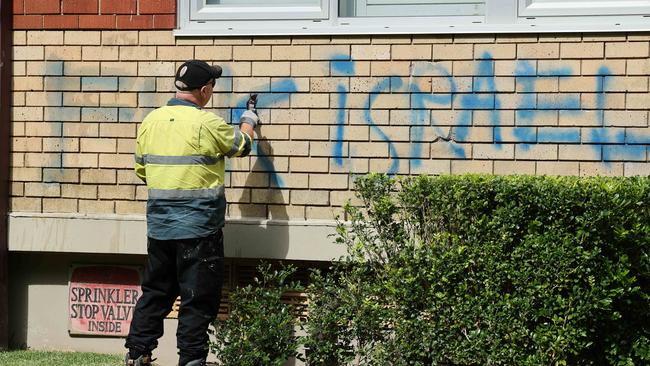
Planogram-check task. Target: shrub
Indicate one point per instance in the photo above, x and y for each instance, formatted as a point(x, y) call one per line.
point(259, 330)
point(328, 343)
point(488, 270)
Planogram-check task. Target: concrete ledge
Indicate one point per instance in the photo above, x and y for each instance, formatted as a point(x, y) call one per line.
point(117, 234)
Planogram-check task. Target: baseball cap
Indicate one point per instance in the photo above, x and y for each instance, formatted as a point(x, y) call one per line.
point(194, 74)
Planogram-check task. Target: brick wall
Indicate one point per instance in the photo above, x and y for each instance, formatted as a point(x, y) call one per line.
point(331, 106)
point(94, 14)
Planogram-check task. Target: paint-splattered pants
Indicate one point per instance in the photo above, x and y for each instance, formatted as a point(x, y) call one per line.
point(192, 268)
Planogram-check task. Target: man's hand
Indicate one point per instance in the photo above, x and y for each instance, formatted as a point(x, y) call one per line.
point(247, 123)
point(249, 117)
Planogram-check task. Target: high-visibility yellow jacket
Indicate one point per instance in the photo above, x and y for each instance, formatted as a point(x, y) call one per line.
point(180, 153)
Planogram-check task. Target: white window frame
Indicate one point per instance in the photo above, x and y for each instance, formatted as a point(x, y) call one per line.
point(200, 12)
point(543, 8)
point(501, 16)
point(362, 6)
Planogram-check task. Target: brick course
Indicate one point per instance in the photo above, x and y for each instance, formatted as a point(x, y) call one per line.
point(95, 14)
point(332, 107)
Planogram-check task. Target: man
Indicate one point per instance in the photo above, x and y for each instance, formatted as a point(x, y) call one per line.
point(180, 153)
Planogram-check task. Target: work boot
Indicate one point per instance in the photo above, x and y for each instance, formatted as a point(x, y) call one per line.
point(144, 360)
point(197, 362)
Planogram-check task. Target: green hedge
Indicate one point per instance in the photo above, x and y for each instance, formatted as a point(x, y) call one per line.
point(488, 270)
point(259, 330)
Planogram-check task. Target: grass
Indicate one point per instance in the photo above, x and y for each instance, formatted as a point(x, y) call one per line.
point(40, 358)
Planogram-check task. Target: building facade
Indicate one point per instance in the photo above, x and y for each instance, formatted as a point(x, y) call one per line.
point(345, 88)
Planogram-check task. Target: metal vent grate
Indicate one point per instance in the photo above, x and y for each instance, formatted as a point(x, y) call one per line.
point(242, 272)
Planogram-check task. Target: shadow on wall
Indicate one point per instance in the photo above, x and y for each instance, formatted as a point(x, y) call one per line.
point(18, 299)
point(272, 238)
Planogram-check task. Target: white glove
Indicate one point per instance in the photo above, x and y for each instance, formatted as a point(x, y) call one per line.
point(250, 118)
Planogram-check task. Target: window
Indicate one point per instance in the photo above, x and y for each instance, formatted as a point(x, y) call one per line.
point(258, 9)
point(291, 17)
point(582, 7)
point(384, 8)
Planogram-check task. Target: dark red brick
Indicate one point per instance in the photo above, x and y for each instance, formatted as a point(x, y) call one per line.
point(19, 7)
point(119, 7)
point(97, 21)
point(157, 7)
point(164, 21)
point(134, 22)
point(80, 7)
point(60, 22)
point(42, 7)
point(28, 22)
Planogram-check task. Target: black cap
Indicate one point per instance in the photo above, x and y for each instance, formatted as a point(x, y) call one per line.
point(194, 74)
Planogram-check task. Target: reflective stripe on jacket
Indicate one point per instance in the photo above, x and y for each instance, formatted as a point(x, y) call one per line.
point(180, 153)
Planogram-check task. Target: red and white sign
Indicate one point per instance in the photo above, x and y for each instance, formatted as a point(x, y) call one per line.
point(101, 299)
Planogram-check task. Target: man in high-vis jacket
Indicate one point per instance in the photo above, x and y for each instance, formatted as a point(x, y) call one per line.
point(180, 155)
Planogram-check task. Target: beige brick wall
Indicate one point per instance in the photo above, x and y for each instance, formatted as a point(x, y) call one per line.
point(332, 108)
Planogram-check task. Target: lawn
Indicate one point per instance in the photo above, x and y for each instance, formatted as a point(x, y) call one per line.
point(39, 358)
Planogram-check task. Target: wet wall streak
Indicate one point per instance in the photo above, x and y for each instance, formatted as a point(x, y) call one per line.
point(55, 115)
point(421, 101)
point(483, 97)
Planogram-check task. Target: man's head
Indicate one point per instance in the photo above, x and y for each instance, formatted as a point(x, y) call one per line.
point(197, 78)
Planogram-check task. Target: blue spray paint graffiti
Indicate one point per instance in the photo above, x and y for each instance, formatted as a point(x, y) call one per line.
point(341, 68)
point(485, 97)
point(337, 151)
point(482, 97)
point(420, 102)
point(266, 100)
point(381, 87)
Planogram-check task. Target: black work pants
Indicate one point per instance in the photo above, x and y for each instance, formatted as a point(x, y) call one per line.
point(192, 268)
